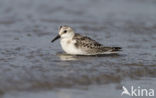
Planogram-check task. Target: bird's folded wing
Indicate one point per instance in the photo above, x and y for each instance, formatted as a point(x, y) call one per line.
point(89, 44)
point(85, 42)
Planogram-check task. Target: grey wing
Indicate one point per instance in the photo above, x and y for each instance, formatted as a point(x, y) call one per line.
point(85, 42)
point(90, 45)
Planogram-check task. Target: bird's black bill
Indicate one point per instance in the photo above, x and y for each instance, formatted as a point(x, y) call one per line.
point(57, 37)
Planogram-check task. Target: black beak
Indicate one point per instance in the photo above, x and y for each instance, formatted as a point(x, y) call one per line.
point(57, 37)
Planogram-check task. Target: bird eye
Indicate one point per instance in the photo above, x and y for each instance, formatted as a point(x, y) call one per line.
point(65, 31)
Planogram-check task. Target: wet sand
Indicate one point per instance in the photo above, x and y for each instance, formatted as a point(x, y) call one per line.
point(30, 64)
point(93, 91)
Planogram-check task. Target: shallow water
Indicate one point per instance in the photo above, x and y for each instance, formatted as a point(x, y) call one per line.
point(94, 91)
point(29, 63)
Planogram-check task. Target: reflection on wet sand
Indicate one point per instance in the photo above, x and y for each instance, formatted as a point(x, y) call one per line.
point(68, 57)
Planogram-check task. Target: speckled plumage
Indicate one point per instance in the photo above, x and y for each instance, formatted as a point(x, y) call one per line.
point(74, 43)
point(90, 46)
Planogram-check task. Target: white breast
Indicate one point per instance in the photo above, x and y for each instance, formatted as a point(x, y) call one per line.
point(69, 47)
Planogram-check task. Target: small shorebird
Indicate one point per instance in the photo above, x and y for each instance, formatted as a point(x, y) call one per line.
point(73, 43)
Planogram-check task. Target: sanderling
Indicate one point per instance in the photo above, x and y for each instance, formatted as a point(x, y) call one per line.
point(76, 44)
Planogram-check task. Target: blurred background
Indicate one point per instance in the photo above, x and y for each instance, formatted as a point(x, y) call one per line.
point(32, 67)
